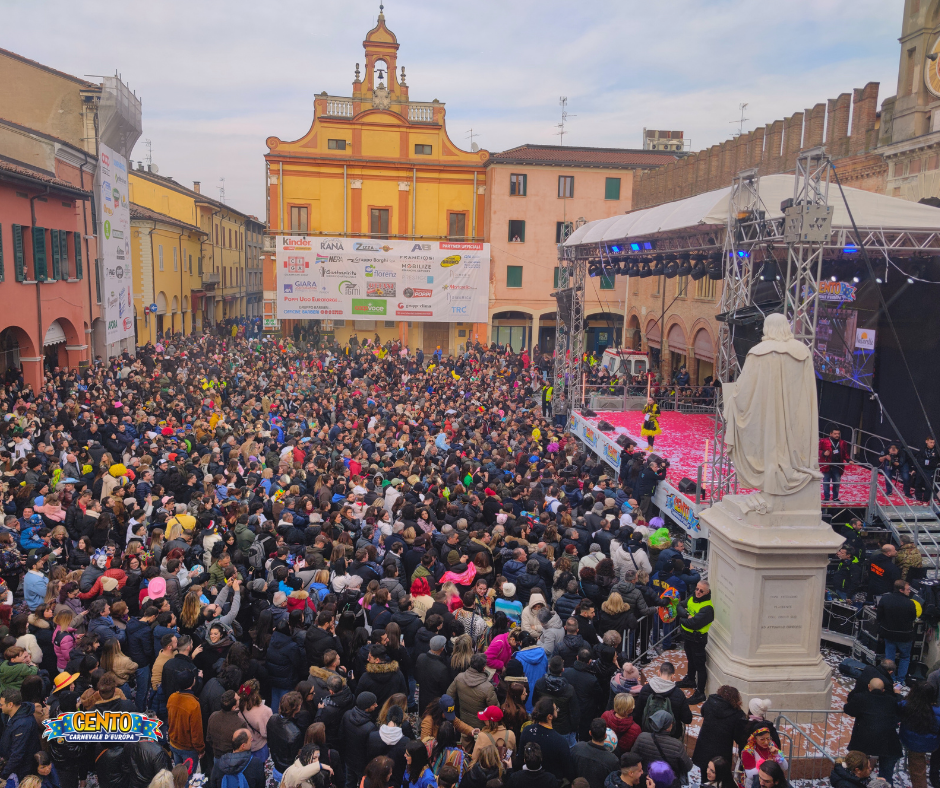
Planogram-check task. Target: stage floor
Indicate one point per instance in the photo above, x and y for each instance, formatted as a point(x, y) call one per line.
point(683, 444)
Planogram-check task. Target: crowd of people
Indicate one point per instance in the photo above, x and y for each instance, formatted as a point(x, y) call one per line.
point(353, 567)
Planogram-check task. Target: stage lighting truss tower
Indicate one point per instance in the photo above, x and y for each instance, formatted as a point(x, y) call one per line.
point(569, 331)
point(744, 230)
point(806, 230)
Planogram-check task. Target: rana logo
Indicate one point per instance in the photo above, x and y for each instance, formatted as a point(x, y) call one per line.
point(369, 306)
point(332, 245)
point(450, 262)
point(107, 229)
point(348, 288)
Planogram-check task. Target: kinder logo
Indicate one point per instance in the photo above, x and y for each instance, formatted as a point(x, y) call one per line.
point(369, 306)
point(296, 265)
point(417, 292)
point(332, 245)
point(452, 246)
point(297, 244)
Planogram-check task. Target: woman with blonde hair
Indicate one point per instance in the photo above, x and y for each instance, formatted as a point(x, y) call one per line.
point(615, 615)
point(463, 651)
point(620, 720)
point(64, 636)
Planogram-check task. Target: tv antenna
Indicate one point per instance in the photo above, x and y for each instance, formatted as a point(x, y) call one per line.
point(149, 145)
point(740, 121)
point(221, 189)
point(563, 102)
point(471, 134)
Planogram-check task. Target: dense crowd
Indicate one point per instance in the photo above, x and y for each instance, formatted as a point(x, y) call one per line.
point(358, 566)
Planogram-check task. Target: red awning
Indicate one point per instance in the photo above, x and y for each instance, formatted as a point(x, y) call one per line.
point(704, 349)
point(677, 342)
point(652, 333)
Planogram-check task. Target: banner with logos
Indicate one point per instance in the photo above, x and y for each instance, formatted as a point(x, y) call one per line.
point(365, 279)
point(114, 245)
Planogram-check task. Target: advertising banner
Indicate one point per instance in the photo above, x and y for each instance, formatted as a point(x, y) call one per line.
point(365, 279)
point(114, 245)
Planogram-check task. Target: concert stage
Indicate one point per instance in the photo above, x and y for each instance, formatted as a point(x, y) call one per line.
point(683, 444)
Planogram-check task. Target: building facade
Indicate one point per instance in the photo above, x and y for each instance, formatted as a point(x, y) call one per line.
point(535, 196)
point(380, 165)
point(254, 244)
point(217, 288)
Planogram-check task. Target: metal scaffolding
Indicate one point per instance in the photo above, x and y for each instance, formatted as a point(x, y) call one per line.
point(569, 331)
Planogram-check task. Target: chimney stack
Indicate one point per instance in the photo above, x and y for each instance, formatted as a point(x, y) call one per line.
point(197, 187)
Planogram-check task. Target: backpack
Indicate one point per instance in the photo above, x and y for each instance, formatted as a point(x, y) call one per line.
point(657, 702)
point(505, 754)
point(236, 780)
point(256, 555)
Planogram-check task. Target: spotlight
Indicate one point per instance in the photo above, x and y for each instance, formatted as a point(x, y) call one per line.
point(910, 281)
point(878, 280)
point(699, 271)
point(657, 269)
point(645, 270)
point(833, 279)
point(855, 279)
point(684, 268)
point(670, 269)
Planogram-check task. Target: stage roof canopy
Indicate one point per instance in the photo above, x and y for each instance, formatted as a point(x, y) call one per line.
point(711, 209)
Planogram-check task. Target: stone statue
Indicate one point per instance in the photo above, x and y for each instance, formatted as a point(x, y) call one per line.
point(771, 422)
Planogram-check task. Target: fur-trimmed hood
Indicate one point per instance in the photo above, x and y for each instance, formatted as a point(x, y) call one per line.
point(378, 668)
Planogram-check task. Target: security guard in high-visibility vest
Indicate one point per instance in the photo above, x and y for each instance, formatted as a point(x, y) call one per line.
point(695, 618)
point(547, 401)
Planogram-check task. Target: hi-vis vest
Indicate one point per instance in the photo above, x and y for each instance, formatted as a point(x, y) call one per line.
point(693, 608)
point(547, 393)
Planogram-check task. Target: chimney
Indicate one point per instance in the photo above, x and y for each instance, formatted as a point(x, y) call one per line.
point(197, 187)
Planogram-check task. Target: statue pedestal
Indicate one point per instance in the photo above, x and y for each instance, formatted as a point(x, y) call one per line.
point(768, 586)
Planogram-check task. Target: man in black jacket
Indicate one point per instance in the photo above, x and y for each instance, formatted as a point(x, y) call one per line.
point(321, 638)
point(883, 572)
point(664, 685)
point(896, 615)
point(844, 573)
point(356, 727)
point(180, 671)
point(433, 668)
point(334, 709)
point(592, 760)
point(646, 483)
point(586, 688)
point(382, 676)
point(568, 706)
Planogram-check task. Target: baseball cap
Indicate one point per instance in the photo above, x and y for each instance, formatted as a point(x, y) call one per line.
point(447, 707)
point(491, 714)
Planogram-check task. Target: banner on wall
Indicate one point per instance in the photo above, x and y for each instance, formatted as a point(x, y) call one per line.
point(114, 245)
point(366, 279)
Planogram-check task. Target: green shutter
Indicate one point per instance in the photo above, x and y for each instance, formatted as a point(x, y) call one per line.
point(64, 253)
point(40, 271)
point(78, 255)
point(54, 237)
point(612, 189)
point(1, 254)
point(555, 279)
point(19, 262)
point(513, 276)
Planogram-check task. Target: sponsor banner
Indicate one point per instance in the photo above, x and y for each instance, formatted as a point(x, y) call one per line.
point(864, 339)
point(360, 278)
point(102, 727)
point(114, 245)
point(680, 509)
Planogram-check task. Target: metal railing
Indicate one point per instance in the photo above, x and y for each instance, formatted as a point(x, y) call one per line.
point(421, 113)
point(811, 741)
point(339, 107)
point(921, 523)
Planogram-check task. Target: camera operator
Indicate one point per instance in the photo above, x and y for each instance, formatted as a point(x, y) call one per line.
point(650, 476)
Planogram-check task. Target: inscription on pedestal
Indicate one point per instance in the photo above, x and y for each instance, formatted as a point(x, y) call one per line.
point(782, 615)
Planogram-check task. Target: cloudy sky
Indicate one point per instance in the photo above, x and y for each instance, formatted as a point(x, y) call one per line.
point(217, 78)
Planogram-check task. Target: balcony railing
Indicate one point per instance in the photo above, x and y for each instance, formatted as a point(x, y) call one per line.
point(339, 107)
point(421, 113)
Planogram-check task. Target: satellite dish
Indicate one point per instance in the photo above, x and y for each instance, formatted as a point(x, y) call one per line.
point(474, 147)
point(154, 169)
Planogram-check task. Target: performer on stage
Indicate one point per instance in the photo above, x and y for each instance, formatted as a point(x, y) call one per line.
point(650, 422)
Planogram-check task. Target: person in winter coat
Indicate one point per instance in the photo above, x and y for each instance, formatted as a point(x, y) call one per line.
point(530, 614)
point(629, 555)
point(321, 638)
point(875, 730)
point(663, 686)
point(724, 724)
point(571, 643)
point(920, 729)
point(334, 708)
point(592, 760)
point(473, 690)
point(553, 685)
point(433, 668)
point(501, 649)
point(143, 760)
point(239, 761)
point(852, 771)
point(357, 724)
point(64, 638)
point(620, 720)
point(896, 615)
point(587, 689)
point(284, 736)
point(658, 744)
point(382, 676)
point(20, 739)
point(553, 631)
point(286, 664)
point(565, 604)
point(390, 741)
point(615, 615)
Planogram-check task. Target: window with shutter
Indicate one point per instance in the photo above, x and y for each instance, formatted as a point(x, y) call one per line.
point(64, 253)
point(78, 255)
point(54, 237)
point(40, 271)
point(2, 277)
point(19, 260)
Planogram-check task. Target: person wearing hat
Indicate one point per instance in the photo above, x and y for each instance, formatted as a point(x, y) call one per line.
point(493, 733)
point(357, 724)
point(657, 744)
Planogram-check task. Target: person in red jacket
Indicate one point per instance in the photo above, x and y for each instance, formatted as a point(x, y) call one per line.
point(833, 457)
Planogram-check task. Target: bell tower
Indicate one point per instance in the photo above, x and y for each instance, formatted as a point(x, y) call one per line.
point(380, 83)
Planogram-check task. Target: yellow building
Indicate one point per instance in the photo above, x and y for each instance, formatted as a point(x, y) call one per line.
point(377, 164)
point(165, 256)
point(217, 286)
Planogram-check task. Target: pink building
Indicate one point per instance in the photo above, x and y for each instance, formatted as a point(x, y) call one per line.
point(536, 195)
point(47, 253)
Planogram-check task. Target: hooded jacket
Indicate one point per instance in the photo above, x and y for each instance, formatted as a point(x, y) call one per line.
point(384, 679)
point(553, 633)
point(19, 741)
point(562, 693)
point(473, 692)
point(534, 663)
point(723, 725)
point(530, 617)
point(626, 728)
point(357, 725)
point(285, 662)
point(235, 763)
point(680, 704)
point(332, 713)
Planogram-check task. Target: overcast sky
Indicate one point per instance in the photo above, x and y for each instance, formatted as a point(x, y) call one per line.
point(217, 78)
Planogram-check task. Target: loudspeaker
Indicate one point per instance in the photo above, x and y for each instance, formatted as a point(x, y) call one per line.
point(687, 486)
point(623, 441)
point(588, 413)
point(605, 426)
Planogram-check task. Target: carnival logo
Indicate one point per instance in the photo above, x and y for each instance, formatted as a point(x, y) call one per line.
point(834, 291)
point(682, 511)
point(590, 436)
point(102, 727)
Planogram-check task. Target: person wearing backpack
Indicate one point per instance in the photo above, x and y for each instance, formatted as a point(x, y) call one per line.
point(237, 769)
point(494, 734)
point(662, 694)
point(659, 744)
